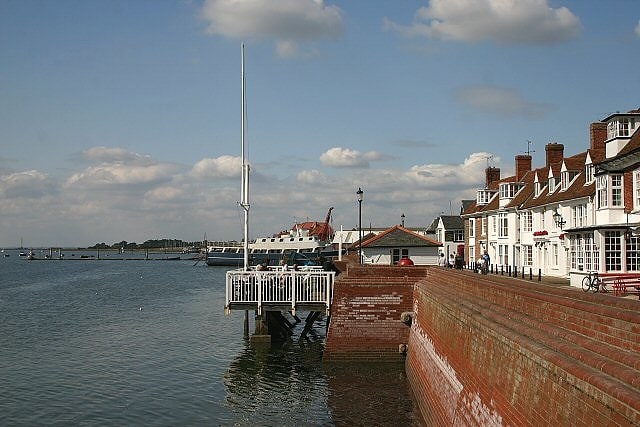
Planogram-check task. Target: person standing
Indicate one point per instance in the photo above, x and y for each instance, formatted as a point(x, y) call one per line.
point(442, 261)
point(486, 263)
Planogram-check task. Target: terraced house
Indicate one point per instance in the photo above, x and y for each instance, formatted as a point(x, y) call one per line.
point(573, 216)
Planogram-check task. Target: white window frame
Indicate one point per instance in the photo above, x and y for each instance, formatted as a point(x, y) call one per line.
point(503, 228)
point(617, 190)
point(527, 221)
point(601, 191)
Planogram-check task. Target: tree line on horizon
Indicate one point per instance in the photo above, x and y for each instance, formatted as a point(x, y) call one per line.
point(149, 244)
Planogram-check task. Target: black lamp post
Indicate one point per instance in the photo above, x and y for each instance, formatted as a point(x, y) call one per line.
point(402, 220)
point(360, 196)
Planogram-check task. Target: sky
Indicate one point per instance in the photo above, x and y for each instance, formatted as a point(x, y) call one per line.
point(121, 120)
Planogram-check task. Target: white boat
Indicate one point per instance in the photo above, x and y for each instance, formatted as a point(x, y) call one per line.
point(296, 246)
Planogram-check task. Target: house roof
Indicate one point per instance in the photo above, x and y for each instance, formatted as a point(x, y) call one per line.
point(627, 159)
point(398, 236)
point(452, 222)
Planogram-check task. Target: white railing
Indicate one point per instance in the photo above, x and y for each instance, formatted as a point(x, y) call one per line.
point(279, 288)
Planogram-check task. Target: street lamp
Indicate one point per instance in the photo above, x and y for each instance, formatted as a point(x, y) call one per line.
point(557, 217)
point(402, 220)
point(360, 196)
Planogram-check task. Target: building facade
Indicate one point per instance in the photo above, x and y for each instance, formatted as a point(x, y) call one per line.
point(574, 215)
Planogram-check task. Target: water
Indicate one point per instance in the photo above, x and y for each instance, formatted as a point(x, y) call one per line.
point(115, 343)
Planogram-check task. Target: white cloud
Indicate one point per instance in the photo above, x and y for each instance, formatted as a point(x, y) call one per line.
point(311, 177)
point(220, 167)
point(500, 101)
point(339, 157)
point(285, 21)
point(503, 21)
point(111, 154)
point(26, 184)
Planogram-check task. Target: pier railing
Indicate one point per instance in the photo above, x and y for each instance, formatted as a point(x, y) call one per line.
point(279, 289)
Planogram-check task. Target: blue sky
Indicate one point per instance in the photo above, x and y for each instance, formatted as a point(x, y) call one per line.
point(120, 120)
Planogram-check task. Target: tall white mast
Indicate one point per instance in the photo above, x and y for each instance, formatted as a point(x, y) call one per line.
point(245, 173)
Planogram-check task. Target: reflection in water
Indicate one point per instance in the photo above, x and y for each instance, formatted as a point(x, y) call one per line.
point(287, 384)
point(371, 394)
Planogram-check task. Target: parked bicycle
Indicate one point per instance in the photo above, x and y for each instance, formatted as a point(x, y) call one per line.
point(592, 282)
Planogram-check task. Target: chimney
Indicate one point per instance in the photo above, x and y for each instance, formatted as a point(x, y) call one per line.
point(493, 175)
point(555, 154)
point(523, 165)
point(598, 133)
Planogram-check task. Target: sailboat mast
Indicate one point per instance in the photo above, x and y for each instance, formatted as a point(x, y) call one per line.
point(245, 172)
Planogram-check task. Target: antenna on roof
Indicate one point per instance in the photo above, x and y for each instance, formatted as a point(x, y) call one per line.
point(487, 158)
point(529, 150)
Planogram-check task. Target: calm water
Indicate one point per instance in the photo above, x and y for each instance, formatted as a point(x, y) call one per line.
point(91, 342)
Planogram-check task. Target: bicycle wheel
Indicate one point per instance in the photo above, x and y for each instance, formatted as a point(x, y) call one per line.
point(602, 286)
point(586, 283)
point(595, 284)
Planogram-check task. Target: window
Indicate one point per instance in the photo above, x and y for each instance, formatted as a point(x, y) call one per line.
point(398, 254)
point(636, 189)
point(537, 188)
point(508, 190)
point(472, 227)
point(613, 251)
point(527, 253)
point(616, 190)
point(588, 174)
point(527, 221)
point(484, 226)
point(601, 191)
point(633, 253)
point(458, 235)
point(503, 254)
point(493, 225)
point(484, 196)
point(579, 215)
point(552, 184)
point(583, 253)
point(554, 254)
point(621, 127)
point(504, 225)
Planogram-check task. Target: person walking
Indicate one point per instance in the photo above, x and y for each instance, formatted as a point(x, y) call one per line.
point(442, 260)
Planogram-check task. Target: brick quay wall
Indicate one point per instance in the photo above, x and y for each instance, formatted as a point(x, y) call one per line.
point(493, 350)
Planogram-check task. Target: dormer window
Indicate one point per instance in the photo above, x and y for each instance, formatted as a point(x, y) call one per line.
point(509, 190)
point(588, 173)
point(552, 184)
point(567, 177)
point(620, 127)
point(484, 196)
point(537, 188)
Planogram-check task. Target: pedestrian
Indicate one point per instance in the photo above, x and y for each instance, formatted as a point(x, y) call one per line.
point(442, 261)
point(487, 262)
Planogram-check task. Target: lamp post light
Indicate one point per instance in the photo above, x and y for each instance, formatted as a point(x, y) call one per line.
point(402, 220)
point(560, 222)
point(360, 196)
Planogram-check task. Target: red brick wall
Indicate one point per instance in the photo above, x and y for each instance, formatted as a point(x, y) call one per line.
point(489, 350)
point(365, 316)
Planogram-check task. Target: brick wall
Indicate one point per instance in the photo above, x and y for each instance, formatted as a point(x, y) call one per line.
point(498, 351)
point(365, 316)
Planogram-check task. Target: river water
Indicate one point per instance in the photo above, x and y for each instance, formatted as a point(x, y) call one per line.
point(134, 342)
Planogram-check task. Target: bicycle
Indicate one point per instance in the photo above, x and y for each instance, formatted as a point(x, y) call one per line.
point(592, 282)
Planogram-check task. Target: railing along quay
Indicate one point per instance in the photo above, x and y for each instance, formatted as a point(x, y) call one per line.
point(289, 289)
